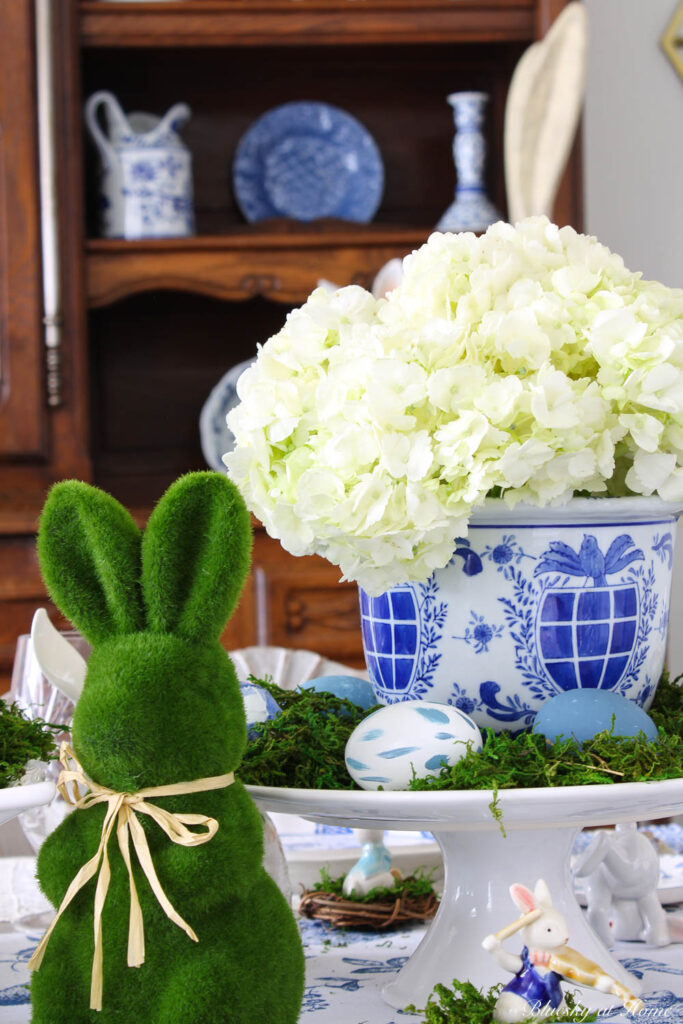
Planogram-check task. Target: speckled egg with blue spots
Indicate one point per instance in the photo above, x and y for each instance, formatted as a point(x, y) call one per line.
point(413, 734)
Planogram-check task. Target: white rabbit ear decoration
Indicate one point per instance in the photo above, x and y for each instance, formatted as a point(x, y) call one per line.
point(542, 894)
point(523, 897)
point(527, 900)
point(59, 661)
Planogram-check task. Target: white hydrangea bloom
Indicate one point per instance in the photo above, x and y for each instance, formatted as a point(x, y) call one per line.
point(528, 362)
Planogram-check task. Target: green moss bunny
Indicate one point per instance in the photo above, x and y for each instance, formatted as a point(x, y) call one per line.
point(161, 705)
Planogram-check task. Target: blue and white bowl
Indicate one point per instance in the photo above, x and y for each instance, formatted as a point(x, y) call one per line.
point(534, 602)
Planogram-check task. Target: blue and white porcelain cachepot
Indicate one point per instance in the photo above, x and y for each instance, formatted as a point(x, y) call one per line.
point(535, 601)
point(146, 171)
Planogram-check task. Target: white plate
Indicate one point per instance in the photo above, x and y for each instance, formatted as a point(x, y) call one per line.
point(308, 847)
point(288, 667)
point(215, 438)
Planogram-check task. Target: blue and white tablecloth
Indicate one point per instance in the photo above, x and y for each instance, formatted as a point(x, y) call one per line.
point(346, 971)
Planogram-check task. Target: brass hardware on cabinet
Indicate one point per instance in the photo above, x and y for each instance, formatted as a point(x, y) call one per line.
point(260, 284)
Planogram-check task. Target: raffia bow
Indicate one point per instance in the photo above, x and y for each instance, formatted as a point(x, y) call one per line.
point(121, 812)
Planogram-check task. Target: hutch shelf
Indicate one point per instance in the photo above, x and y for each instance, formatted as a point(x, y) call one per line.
point(316, 22)
point(281, 265)
point(147, 328)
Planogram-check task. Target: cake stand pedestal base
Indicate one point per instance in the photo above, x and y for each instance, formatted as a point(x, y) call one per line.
point(479, 869)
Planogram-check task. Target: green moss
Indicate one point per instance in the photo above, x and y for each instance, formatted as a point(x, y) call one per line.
point(161, 704)
point(527, 760)
point(413, 886)
point(205, 525)
point(23, 739)
point(465, 1004)
point(667, 707)
point(304, 746)
point(89, 553)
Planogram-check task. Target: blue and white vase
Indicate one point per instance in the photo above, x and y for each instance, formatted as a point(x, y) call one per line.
point(534, 602)
point(471, 210)
point(145, 173)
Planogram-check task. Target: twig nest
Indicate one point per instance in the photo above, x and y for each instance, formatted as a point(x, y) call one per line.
point(387, 912)
point(413, 737)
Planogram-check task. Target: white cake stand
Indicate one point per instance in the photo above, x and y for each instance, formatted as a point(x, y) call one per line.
point(480, 864)
point(17, 799)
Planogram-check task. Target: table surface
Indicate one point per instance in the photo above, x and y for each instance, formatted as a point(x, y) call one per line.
point(345, 973)
point(346, 970)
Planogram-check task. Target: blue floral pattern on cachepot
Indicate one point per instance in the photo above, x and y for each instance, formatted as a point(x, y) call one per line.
point(533, 602)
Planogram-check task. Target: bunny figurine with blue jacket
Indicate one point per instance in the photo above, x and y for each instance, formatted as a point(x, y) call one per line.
point(165, 913)
point(544, 961)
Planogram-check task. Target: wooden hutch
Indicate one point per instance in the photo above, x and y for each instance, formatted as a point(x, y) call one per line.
point(145, 329)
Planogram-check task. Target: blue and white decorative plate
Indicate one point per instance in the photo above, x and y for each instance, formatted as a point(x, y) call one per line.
point(215, 437)
point(308, 160)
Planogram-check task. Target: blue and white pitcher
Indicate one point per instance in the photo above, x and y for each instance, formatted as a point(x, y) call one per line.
point(146, 173)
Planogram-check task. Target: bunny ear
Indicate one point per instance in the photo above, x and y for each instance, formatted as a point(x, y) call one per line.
point(523, 897)
point(89, 553)
point(195, 557)
point(542, 893)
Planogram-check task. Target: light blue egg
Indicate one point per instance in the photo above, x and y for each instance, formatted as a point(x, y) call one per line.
point(259, 706)
point(583, 713)
point(358, 691)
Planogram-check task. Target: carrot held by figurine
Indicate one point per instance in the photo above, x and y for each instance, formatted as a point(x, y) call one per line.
point(544, 962)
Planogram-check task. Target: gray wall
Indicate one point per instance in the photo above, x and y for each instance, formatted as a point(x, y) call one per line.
point(633, 148)
point(633, 134)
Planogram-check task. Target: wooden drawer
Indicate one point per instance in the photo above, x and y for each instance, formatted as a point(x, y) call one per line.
point(301, 603)
point(310, 610)
point(22, 591)
point(242, 628)
point(287, 601)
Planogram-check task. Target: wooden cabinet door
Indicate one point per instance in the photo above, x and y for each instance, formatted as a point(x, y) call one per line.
point(22, 409)
point(301, 603)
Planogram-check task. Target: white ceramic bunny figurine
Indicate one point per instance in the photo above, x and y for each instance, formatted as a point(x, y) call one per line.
point(373, 869)
point(546, 959)
point(620, 869)
point(535, 989)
